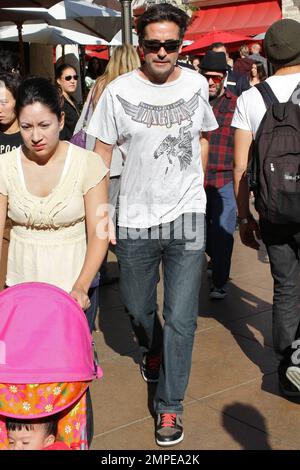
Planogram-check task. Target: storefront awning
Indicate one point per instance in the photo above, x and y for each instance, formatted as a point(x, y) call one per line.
point(244, 18)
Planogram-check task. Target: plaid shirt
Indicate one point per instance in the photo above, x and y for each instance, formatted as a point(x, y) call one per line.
point(219, 167)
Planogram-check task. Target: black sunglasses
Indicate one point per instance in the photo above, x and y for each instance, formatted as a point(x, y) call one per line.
point(153, 45)
point(69, 77)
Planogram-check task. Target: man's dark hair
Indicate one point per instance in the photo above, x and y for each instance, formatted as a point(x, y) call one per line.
point(9, 61)
point(50, 425)
point(11, 81)
point(216, 45)
point(163, 12)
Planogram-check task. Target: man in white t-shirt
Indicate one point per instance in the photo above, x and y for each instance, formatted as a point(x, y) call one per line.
point(282, 241)
point(158, 116)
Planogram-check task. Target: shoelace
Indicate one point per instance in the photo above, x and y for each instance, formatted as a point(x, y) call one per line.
point(153, 363)
point(168, 420)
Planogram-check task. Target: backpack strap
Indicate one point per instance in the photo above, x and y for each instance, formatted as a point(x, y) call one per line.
point(267, 93)
point(295, 94)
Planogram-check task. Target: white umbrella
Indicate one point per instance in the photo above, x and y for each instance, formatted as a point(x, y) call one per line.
point(79, 15)
point(117, 39)
point(26, 3)
point(68, 9)
point(47, 34)
point(75, 9)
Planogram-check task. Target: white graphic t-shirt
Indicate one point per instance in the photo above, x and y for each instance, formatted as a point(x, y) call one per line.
point(157, 129)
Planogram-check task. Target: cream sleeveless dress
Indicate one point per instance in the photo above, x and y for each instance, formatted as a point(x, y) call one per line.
point(48, 236)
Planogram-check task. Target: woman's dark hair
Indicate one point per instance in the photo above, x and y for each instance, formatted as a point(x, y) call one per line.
point(9, 61)
point(50, 425)
point(162, 12)
point(60, 69)
point(11, 81)
point(260, 70)
point(95, 72)
point(39, 90)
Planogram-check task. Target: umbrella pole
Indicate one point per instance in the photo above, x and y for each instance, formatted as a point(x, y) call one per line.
point(21, 49)
point(82, 70)
point(126, 21)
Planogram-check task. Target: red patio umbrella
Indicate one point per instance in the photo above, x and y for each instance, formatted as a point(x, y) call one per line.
point(100, 52)
point(205, 40)
point(245, 18)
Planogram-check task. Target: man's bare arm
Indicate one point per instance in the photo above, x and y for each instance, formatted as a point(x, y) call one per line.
point(242, 144)
point(204, 150)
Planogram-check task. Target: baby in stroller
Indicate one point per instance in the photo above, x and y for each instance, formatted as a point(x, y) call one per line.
point(36, 434)
point(47, 363)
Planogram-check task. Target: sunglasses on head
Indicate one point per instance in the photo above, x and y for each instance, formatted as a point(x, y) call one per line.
point(215, 78)
point(153, 45)
point(69, 77)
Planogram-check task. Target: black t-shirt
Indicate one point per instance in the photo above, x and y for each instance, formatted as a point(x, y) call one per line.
point(9, 142)
point(71, 118)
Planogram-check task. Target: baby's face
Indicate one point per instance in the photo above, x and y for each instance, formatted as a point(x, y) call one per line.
point(32, 439)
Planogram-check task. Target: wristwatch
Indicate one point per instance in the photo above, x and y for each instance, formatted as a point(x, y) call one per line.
point(244, 220)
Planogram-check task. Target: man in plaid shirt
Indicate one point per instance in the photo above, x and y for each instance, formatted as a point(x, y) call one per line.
point(221, 205)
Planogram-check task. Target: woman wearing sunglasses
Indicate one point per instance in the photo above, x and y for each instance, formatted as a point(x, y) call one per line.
point(67, 78)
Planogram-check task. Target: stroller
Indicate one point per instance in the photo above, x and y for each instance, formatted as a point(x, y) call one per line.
point(47, 361)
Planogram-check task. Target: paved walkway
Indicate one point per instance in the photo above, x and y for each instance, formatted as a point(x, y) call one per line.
point(232, 401)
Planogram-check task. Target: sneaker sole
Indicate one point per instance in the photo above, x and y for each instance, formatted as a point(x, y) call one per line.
point(169, 443)
point(293, 374)
point(216, 296)
point(288, 393)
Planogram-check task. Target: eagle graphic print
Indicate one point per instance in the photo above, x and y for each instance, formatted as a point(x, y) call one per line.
point(181, 112)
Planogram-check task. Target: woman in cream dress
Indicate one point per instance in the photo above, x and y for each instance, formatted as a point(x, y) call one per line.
point(55, 195)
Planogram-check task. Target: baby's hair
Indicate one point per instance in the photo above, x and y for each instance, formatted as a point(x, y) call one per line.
point(50, 425)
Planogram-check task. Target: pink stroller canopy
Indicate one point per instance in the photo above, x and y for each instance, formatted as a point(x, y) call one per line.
point(44, 337)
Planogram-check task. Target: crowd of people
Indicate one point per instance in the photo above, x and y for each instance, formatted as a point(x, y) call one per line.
point(177, 143)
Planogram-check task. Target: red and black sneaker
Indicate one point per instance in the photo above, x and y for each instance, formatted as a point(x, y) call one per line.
point(150, 367)
point(169, 429)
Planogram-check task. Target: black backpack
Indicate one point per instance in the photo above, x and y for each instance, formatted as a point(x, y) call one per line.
point(274, 174)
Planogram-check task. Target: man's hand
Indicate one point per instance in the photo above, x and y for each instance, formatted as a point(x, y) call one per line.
point(247, 232)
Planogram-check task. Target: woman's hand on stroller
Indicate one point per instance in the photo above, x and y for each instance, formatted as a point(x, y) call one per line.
point(80, 295)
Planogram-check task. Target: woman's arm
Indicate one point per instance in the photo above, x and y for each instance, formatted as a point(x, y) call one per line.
point(96, 212)
point(3, 211)
point(105, 151)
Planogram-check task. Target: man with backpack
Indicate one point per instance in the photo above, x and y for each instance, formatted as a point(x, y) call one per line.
point(274, 138)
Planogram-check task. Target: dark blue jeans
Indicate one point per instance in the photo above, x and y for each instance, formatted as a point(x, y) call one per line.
point(180, 247)
point(221, 221)
point(283, 246)
point(91, 312)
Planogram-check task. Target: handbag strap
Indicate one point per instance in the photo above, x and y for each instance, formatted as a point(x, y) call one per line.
point(88, 110)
